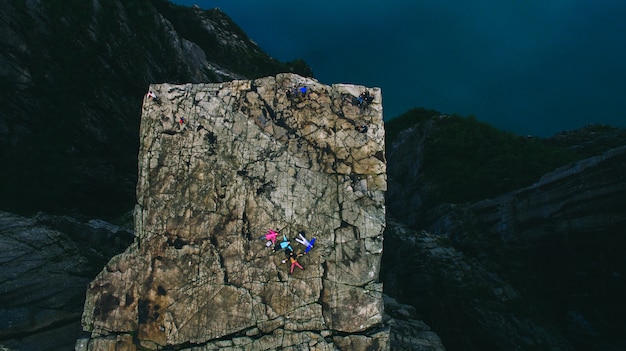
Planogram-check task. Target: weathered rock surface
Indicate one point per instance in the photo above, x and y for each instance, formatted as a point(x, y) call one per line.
point(582, 198)
point(219, 165)
point(45, 264)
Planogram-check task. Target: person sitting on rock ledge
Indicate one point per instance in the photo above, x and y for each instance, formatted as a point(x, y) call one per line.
point(152, 95)
point(307, 244)
point(366, 98)
point(293, 258)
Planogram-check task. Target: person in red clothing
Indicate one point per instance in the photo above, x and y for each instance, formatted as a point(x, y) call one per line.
point(152, 95)
point(293, 259)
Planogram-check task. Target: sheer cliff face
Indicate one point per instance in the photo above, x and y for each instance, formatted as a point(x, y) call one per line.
point(219, 165)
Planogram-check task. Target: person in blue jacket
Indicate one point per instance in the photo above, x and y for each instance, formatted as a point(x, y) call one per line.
point(285, 244)
point(308, 245)
point(297, 92)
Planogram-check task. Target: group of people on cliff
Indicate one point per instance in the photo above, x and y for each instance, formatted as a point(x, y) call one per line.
point(299, 92)
point(271, 238)
point(362, 101)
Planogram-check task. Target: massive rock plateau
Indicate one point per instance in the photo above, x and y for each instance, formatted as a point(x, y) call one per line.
point(219, 165)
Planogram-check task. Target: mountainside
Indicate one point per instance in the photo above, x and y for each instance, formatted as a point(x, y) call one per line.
point(536, 267)
point(440, 159)
point(72, 78)
point(497, 241)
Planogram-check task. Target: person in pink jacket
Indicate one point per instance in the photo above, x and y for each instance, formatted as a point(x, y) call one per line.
point(270, 236)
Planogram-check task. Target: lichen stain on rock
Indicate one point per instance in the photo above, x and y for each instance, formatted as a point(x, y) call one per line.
point(107, 304)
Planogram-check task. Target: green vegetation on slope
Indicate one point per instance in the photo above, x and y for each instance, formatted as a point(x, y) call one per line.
point(407, 120)
point(468, 160)
point(471, 160)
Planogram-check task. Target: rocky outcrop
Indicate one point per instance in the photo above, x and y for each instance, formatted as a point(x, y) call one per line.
point(578, 199)
point(220, 164)
point(406, 331)
point(563, 239)
point(45, 264)
point(409, 193)
point(545, 261)
point(469, 304)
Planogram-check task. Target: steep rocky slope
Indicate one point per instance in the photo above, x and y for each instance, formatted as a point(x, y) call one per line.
point(220, 164)
point(72, 77)
point(535, 268)
point(469, 304)
point(46, 263)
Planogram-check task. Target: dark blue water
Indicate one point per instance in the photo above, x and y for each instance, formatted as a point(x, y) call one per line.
point(532, 67)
